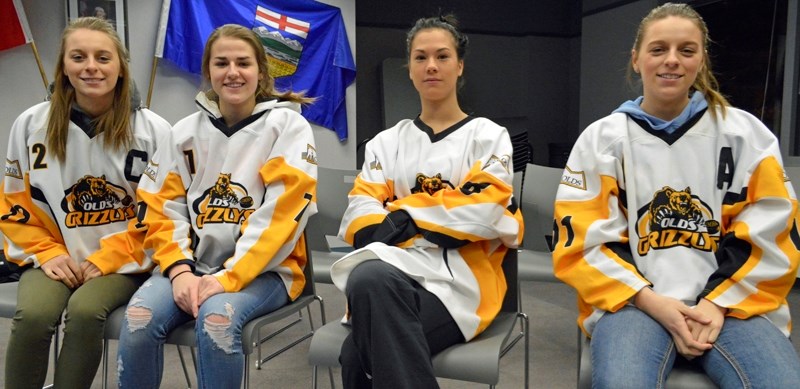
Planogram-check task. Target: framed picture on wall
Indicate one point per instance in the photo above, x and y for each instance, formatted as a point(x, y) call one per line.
point(111, 10)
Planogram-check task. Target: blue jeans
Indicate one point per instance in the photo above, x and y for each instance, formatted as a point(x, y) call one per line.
point(219, 346)
point(632, 350)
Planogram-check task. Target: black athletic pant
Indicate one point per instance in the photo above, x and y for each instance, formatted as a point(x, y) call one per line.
point(396, 327)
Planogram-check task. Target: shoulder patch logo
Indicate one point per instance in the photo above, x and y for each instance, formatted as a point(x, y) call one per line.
point(503, 160)
point(310, 155)
point(13, 169)
point(375, 165)
point(151, 170)
point(93, 201)
point(575, 179)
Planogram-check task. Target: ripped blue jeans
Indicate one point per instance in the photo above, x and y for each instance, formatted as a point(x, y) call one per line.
point(140, 360)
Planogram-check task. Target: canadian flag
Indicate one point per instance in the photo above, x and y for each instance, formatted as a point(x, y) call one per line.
point(14, 29)
point(282, 22)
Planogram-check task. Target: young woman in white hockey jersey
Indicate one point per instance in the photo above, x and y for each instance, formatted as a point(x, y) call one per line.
point(225, 203)
point(432, 217)
point(68, 200)
point(675, 223)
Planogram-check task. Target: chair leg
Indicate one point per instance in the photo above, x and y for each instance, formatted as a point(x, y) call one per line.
point(580, 351)
point(321, 309)
point(55, 350)
point(183, 365)
point(330, 374)
point(324, 321)
point(56, 343)
point(246, 378)
point(526, 322)
point(258, 344)
point(310, 318)
point(105, 363)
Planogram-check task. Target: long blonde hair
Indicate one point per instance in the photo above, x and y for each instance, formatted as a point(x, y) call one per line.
point(706, 83)
point(266, 86)
point(115, 122)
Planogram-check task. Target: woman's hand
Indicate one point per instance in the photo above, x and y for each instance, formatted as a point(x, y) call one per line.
point(673, 315)
point(209, 286)
point(63, 268)
point(184, 289)
point(89, 271)
point(707, 333)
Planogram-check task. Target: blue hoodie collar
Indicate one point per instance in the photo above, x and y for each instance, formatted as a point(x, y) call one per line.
point(633, 107)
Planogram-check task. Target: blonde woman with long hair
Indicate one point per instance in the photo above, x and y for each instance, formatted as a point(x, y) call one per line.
point(68, 204)
point(676, 225)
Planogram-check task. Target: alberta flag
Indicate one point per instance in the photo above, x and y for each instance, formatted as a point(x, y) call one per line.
point(305, 40)
point(14, 30)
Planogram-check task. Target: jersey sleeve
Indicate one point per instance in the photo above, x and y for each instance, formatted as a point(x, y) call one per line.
point(31, 235)
point(480, 208)
point(162, 206)
point(371, 190)
point(272, 231)
point(122, 251)
point(758, 250)
point(591, 248)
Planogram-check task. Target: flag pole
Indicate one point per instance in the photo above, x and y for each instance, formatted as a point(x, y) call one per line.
point(39, 63)
point(162, 30)
point(152, 80)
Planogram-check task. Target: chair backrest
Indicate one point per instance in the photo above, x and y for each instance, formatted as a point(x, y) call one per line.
point(522, 156)
point(538, 202)
point(511, 300)
point(333, 185)
point(308, 272)
point(523, 150)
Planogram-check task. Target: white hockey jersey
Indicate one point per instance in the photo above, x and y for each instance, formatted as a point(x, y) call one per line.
point(705, 212)
point(82, 207)
point(456, 187)
point(233, 202)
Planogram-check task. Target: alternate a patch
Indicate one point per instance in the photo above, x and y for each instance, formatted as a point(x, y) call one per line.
point(677, 218)
point(574, 179)
point(225, 202)
point(502, 160)
point(151, 170)
point(310, 155)
point(93, 201)
point(13, 169)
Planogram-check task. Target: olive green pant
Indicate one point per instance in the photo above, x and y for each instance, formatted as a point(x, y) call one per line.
point(40, 302)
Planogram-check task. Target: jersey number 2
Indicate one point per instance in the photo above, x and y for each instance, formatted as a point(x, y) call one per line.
point(40, 152)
